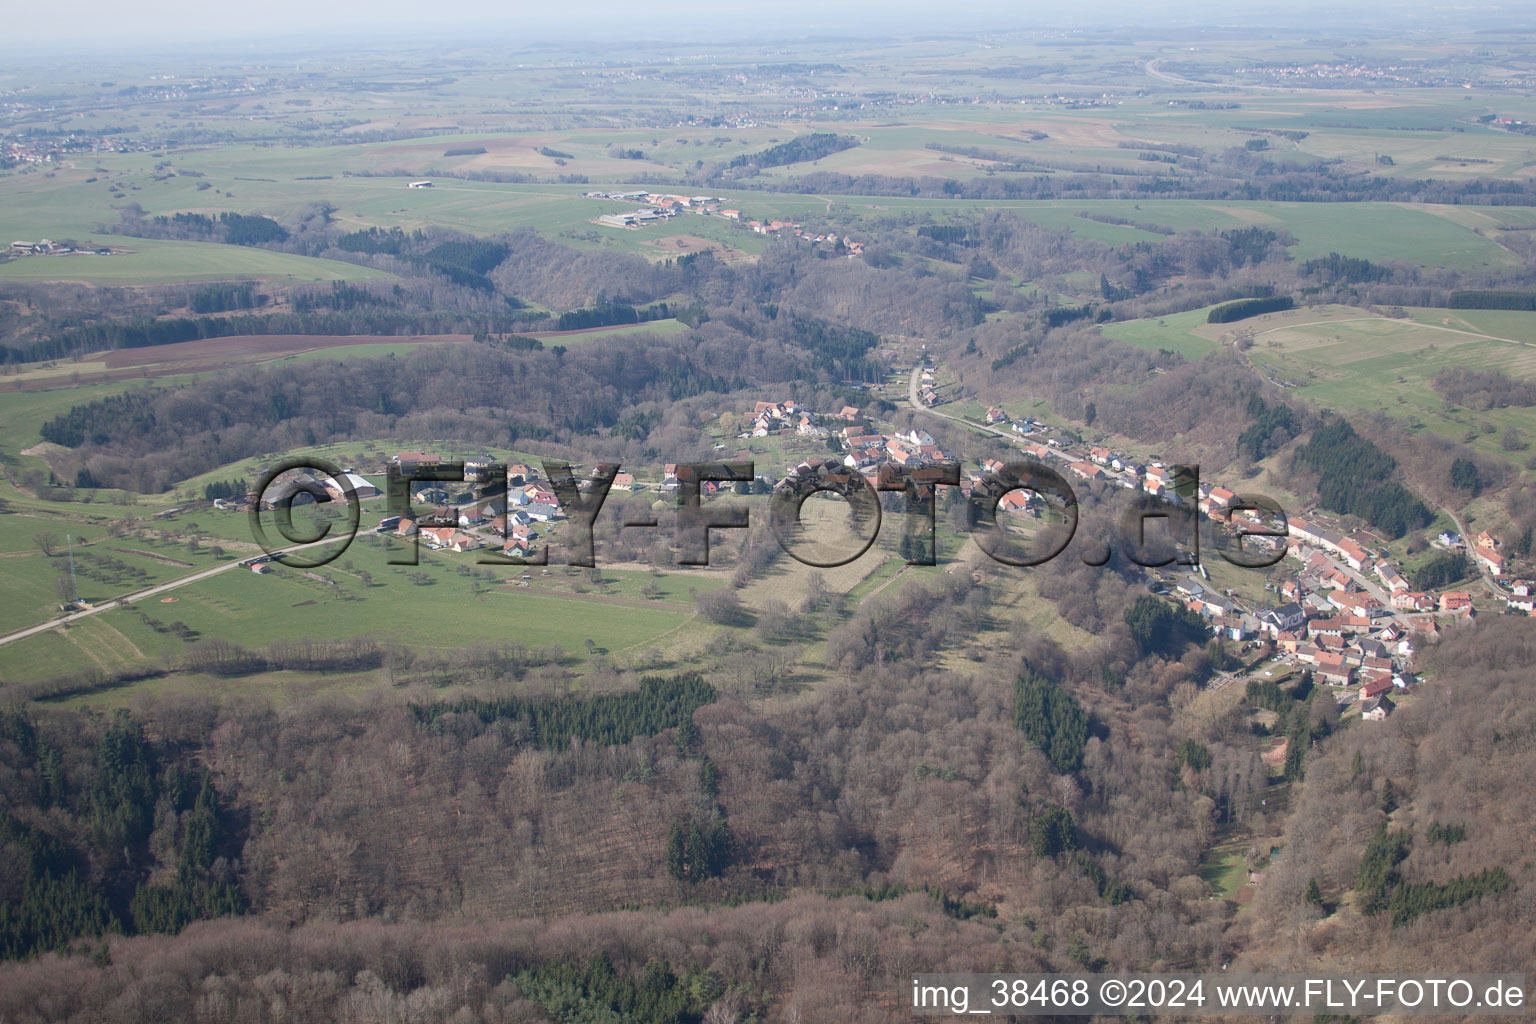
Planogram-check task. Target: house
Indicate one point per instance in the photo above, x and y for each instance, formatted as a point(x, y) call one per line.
point(1220, 497)
point(1086, 470)
point(540, 512)
point(1376, 685)
point(1287, 641)
point(848, 412)
point(438, 536)
point(408, 461)
point(1352, 553)
point(1287, 618)
point(1388, 574)
point(1489, 559)
point(1015, 501)
point(1455, 601)
point(1416, 601)
point(996, 415)
point(1358, 603)
point(1448, 539)
point(1377, 709)
point(918, 437)
point(1236, 627)
point(1487, 540)
point(1100, 455)
point(624, 481)
point(1334, 670)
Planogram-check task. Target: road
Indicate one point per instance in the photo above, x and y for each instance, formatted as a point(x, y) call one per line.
point(1488, 580)
point(915, 381)
point(155, 591)
point(1167, 76)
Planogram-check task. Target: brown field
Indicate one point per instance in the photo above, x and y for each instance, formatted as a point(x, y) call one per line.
point(681, 245)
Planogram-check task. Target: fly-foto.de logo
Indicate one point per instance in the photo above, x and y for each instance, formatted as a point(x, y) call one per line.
point(1152, 530)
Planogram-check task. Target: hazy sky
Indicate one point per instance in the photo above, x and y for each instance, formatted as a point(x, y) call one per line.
point(343, 23)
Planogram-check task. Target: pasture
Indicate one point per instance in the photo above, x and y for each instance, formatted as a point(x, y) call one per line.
point(447, 601)
point(156, 261)
point(1372, 364)
point(1176, 332)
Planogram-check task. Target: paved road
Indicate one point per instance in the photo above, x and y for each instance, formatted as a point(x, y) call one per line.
point(155, 591)
point(913, 384)
point(1488, 579)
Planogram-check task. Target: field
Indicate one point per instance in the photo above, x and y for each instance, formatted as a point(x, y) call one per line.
point(1462, 236)
point(152, 261)
point(445, 602)
point(1366, 363)
point(1177, 332)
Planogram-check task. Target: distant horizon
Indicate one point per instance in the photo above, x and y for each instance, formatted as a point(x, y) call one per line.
point(172, 28)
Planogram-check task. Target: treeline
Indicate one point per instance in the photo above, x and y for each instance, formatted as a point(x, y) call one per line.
point(1126, 222)
point(380, 241)
point(1162, 627)
point(1067, 314)
point(1476, 299)
point(1383, 890)
point(223, 297)
point(1484, 389)
point(608, 720)
point(141, 333)
point(466, 261)
point(696, 852)
point(593, 990)
point(222, 489)
point(1345, 269)
point(1242, 309)
point(1355, 480)
point(161, 436)
point(608, 313)
point(82, 829)
point(1050, 718)
point(100, 421)
point(1271, 428)
point(229, 228)
point(1260, 180)
point(840, 351)
point(797, 150)
point(1442, 570)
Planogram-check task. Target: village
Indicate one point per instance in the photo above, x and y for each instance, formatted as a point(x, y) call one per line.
point(656, 208)
point(1347, 614)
